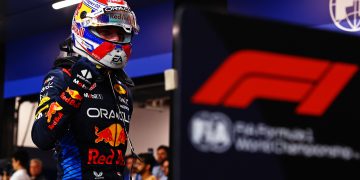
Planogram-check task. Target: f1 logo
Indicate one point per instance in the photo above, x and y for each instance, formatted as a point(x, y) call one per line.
point(248, 75)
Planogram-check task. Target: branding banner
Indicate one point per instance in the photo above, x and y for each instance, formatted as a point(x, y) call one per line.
point(264, 100)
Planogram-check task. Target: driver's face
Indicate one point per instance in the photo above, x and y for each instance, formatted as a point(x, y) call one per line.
point(111, 33)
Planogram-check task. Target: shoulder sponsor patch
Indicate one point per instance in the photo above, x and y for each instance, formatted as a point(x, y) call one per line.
point(93, 96)
point(54, 107)
point(48, 79)
point(119, 89)
point(44, 100)
point(39, 111)
point(47, 86)
point(38, 116)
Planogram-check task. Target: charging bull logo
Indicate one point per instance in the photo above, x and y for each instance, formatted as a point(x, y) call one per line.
point(54, 107)
point(74, 94)
point(114, 135)
point(119, 89)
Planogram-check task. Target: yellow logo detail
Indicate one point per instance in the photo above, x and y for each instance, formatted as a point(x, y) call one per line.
point(85, 8)
point(44, 100)
point(119, 89)
point(41, 110)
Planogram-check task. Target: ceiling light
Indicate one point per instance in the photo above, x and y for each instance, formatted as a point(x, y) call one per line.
point(65, 3)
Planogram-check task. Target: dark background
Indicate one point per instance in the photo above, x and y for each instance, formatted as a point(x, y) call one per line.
point(206, 39)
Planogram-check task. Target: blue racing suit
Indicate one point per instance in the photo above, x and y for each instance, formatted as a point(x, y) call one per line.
point(87, 126)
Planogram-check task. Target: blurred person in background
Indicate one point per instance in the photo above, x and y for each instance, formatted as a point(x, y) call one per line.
point(36, 169)
point(165, 169)
point(6, 169)
point(130, 170)
point(144, 166)
point(5, 175)
point(162, 154)
point(85, 103)
point(19, 162)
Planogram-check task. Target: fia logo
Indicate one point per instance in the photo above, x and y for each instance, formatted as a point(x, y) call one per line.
point(98, 175)
point(345, 14)
point(210, 132)
point(85, 73)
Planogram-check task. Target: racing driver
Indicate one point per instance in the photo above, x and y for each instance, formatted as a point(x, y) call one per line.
point(85, 103)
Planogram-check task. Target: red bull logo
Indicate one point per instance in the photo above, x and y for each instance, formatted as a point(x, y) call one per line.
point(114, 135)
point(74, 94)
point(98, 157)
point(72, 97)
point(121, 2)
point(56, 120)
point(119, 89)
point(54, 107)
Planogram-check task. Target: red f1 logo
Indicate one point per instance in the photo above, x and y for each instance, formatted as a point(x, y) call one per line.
point(248, 75)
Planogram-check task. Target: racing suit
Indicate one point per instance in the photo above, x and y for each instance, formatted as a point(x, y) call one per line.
point(88, 128)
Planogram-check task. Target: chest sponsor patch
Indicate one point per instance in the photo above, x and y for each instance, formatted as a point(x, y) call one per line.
point(93, 96)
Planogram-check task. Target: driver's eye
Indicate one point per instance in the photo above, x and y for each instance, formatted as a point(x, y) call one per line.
point(104, 31)
point(111, 33)
point(121, 36)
